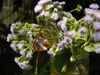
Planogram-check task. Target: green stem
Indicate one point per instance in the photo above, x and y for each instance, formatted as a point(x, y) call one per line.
point(80, 70)
point(36, 68)
point(71, 11)
point(79, 20)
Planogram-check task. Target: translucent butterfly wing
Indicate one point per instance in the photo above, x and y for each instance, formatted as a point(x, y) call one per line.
point(49, 32)
point(41, 44)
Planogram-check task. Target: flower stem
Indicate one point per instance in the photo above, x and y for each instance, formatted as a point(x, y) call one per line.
point(36, 68)
point(71, 11)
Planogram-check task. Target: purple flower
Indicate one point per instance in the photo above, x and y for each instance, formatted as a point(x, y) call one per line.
point(22, 53)
point(67, 14)
point(96, 36)
point(8, 37)
point(28, 55)
point(12, 28)
point(13, 46)
point(69, 33)
point(67, 40)
point(60, 23)
point(87, 19)
point(16, 60)
point(22, 42)
point(89, 11)
point(63, 27)
point(17, 24)
point(14, 36)
point(59, 7)
point(51, 53)
point(97, 48)
point(34, 26)
point(96, 26)
point(82, 31)
point(94, 6)
point(24, 66)
point(20, 46)
point(97, 15)
point(60, 46)
point(22, 32)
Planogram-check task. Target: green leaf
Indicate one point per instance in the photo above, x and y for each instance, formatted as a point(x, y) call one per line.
point(89, 48)
point(62, 59)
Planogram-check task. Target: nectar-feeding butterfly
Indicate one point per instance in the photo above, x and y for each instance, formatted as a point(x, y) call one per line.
point(48, 36)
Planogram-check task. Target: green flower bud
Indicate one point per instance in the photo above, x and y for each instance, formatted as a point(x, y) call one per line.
point(73, 19)
point(68, 20)
point(72, 59)
point(79, 8)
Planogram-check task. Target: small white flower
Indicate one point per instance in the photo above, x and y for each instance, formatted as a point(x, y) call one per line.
point(56, 2)
point(42, 13)
point(49, 6)
point(59, 6)
point(54, 16)
point(46, 14)
point(38, 8)
point(62, 3)
point(55, 9)
point(41, 2)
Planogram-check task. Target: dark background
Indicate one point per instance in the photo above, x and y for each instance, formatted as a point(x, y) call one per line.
point(25, 13)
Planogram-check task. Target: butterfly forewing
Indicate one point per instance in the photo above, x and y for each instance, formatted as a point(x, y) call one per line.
point(49, 32)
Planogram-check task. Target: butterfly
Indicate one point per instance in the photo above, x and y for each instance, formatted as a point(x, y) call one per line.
point(48, 36)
